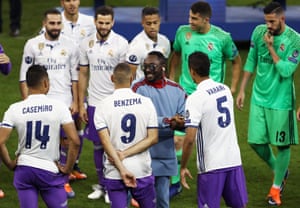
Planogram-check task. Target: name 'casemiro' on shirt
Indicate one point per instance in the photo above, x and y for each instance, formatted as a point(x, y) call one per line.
point(37, 109)
point(127, 102)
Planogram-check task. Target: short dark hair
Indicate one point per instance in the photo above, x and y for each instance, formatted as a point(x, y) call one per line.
point(122, 73)
point(149, 11)
point(104, 10)
point(273, 7)
point(51, 11)
point(162, 59)
point(199, 62)
point(35, 74)
point(203, 8)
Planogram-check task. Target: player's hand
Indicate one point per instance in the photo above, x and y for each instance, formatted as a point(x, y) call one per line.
point(11, 165)
point(240, 100)
point(177, 122)
point(269, 39)
point(83, 114)
point(4, 59)
point(298, 114)
point(128, 179)
point(185, 172)
point(62, 169)
point(74, 108)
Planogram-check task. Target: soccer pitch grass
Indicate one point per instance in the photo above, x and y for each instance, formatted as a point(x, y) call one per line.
point(259, 177)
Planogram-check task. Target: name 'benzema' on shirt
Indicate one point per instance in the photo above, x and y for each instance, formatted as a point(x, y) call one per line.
point(127, 102)
point(37, 109)
point(215, 89)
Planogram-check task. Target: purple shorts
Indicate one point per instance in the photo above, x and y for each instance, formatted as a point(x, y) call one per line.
point(90, 130)
point(144, 193)
point(228, 183)
point(30, 181)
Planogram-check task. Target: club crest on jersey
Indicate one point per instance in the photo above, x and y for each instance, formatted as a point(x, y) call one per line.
point(188, 36)
point(147, 47)
point(210, 46)
point(91, 43)
point(110, 52)
point(41, 46)
point(295, 53)
point(282, 47)
point(82, 32)
point(28, 60)
point(63, 52)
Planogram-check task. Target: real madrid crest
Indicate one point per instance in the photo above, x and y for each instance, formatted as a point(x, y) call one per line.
point(110, 52)
point(82, 32)
point(41, 46)
point(188, 36)
point(91, 43)
point(63, 52)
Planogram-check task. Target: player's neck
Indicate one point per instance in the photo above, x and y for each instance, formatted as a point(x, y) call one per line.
point(72, 18)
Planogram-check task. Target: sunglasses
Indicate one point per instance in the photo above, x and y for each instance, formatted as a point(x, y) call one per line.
point(152, 67)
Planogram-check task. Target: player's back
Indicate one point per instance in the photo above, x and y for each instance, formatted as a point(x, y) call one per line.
point(38, 120)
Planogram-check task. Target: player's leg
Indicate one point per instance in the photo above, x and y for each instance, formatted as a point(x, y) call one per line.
point(99, 189)
point(175, 187)
point(162, 184)
point(27, 192)
point(258, 135)
point(210, 196)
point(144, 193)
point(118, 193)
point(283, 132)
point(235, 191)
point(52, 190)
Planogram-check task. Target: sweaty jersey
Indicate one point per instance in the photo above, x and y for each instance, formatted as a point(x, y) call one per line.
point(210, 110)
point(60, 58)
point(101, 58)
point(127, 116)
point(216, 43)
point(141, 45)
point(274, 84)
point(37, 120)
point(83, 28)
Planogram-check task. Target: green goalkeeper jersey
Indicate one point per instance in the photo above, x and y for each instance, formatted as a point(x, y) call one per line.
point(216, 43)
point(273, 86)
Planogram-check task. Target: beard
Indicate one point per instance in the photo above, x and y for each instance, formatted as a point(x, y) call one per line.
point(53, 34)
point(103, 34)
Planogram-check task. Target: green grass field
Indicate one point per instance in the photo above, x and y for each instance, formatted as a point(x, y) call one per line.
point(258, 176)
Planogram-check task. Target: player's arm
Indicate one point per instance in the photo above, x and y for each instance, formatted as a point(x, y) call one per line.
point(175, 60)
point(4, 155)
point(128, 178)
point(74, 106)
point(285, 68)
point(151, 139)
point(82, 86)
point(187, 150)
point(241, 95)
point(236, 72)
point(74, 144)
point(298, 114)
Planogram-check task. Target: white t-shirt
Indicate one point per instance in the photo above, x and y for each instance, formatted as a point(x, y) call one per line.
point(37, 120)
point(101, 58)
point(210, 110)
point(83, 28)
point(61, 60)
point(141, 45)
point(127, 115)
